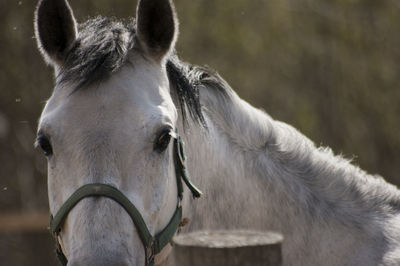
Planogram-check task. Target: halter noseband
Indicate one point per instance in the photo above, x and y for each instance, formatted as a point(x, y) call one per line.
point(152, 244)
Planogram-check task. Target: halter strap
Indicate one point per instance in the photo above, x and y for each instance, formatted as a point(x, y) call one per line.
point(153, 245)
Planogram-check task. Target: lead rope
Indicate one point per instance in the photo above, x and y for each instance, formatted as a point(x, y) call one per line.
point(152, 245)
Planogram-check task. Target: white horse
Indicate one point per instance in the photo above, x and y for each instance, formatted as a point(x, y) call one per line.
point(120, 97)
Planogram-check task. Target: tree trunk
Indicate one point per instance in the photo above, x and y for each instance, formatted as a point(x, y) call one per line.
point(228, 248)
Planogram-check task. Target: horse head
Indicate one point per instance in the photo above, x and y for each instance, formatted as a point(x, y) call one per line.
point(111, 120)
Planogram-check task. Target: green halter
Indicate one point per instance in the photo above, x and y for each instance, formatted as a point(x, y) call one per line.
point(152, 245)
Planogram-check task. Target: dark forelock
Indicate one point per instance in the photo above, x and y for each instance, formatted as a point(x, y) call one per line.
point(100, 49)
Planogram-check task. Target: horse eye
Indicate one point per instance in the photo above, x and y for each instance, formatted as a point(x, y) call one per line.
point(44, 143)
point(162, 141)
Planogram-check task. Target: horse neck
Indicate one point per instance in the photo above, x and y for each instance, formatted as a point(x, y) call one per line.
point(262, 174)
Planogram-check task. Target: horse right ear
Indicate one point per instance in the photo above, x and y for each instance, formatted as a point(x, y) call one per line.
point(55, 30)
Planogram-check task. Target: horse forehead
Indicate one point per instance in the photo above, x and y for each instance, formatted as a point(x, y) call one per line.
point(125, 97)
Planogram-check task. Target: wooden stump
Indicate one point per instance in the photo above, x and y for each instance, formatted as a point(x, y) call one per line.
point(228, 248)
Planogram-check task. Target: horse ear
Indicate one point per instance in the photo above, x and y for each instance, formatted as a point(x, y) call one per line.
point(55, 29)
point(157, 27)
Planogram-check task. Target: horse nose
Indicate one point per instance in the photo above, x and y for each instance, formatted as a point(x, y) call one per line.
point(104, 261)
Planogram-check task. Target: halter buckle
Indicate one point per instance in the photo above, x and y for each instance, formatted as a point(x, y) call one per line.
point(59, 252)
point(150, 253)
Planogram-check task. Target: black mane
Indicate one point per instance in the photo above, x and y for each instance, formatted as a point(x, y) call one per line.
point(102, 48)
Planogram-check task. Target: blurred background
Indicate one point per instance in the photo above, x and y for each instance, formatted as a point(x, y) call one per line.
point(329, 68)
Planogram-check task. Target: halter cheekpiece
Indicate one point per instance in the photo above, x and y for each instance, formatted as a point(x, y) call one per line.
point(152, 244)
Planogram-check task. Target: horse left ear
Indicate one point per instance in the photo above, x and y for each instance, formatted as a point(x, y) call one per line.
point(157, 27)
point(55, 29)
